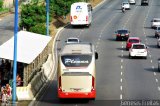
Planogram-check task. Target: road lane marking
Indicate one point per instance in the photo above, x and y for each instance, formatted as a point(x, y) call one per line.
point(121, 60)
point(122, 43)
point(121, 88)
point(122, 51)
point(121, 73)
point(121, 79)
point(120, 96)
point(159, 88)
point(121, 66)
point(152, 67)
point(156, 80)
point(150, 56)
point(155, 73)
point(122, 55)
point(151, 61)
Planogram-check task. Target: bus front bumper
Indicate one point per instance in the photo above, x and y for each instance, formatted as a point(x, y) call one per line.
point(91, 94)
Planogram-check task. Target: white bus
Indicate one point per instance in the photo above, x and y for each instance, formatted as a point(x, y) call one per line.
point(77, 71)
point(81, 13)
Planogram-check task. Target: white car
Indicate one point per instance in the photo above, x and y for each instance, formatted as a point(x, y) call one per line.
point(72, 40)
point(138, 50)
point(126, 5)
point(155, 22)
point(132, 1)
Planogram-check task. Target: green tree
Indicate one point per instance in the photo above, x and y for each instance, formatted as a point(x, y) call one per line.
point(61, 7)
point(39, 28)
point(1, 4)
point(33, 16)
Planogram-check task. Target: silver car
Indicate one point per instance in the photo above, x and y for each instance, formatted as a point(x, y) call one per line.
point(157, 32)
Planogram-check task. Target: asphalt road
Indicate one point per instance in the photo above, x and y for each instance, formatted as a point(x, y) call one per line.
point(118, 78)
point(6, 28)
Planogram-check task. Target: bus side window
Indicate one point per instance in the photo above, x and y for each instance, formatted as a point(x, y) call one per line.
point(96, 55)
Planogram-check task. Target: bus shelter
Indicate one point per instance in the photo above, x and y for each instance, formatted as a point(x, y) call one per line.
point(32, 52)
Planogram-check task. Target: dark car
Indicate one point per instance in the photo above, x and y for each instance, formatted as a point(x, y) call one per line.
point(157, 32)
point(159, 64)
point(144, 2)
point(122, 34)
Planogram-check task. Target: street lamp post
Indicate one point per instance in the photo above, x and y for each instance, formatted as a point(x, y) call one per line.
point(15, 51)
point(47, 17)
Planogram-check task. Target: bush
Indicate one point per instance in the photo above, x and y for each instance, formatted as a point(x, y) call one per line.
point(39, 28)
point(1, 3)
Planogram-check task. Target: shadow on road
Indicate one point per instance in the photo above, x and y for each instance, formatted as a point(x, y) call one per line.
point(152, 70)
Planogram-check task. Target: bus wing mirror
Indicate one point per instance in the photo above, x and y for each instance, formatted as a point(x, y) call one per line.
point(96, 55)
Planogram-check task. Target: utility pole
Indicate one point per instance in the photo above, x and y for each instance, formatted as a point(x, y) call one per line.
point(15, 51)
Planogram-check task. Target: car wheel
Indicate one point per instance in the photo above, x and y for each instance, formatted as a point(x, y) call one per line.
point(145, 57)
point(117, 38)
point(130, 56)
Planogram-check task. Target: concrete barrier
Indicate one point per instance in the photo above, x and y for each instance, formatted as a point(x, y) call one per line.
point(47, 66)
point(29, 92)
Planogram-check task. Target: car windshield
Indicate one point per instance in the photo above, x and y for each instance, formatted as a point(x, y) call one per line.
point(125, 3)
point(133, 40)
point(156, 20)
point(122, 31)
point(138, 47)
point(72, 40)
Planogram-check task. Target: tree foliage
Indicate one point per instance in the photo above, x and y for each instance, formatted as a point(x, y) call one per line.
point(31, 15)
point(61, 7)
point(1, 4)
point(39, 28)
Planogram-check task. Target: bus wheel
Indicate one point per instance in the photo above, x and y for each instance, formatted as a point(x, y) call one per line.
point(92, 98)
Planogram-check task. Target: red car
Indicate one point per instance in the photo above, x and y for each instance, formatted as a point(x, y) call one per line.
point(132, 40)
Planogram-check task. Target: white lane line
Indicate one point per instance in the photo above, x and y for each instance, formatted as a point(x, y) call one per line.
point(121, 79)
point(122, 55)
point(156, 80)
point(151, 61)
point(122, 43)
point(155, 73)
point(121, 88)
point(97, 43)
point(121, 73)
point(152, 67)
point(150, 56)
point(121, 66)
point(122, 51)
point(121, 60)
point(159, 88)
point(120, 96)
point(99, 39)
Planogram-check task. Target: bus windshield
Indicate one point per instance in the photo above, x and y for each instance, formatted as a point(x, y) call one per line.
point(76, 60)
